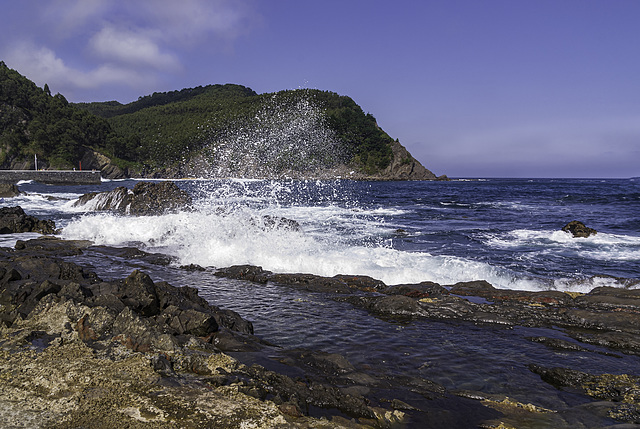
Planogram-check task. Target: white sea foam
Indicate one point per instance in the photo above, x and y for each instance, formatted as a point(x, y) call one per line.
point(221, 239)
point(337, 236)
point(35, 204)
point(601, 246)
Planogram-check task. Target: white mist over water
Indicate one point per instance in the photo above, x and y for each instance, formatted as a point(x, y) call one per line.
point(287, 137)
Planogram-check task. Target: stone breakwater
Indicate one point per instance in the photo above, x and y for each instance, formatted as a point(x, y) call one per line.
point(52, 177)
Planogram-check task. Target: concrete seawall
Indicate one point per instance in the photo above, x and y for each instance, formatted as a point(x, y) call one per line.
point(51, 177)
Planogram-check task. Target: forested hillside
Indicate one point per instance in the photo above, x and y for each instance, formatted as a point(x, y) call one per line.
point(210, 131)
point(35, 123)
point(170, 125)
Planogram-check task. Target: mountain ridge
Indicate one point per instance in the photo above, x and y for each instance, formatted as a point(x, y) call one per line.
point(218, 130)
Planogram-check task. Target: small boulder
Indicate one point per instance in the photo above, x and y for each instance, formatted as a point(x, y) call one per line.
point(15, 220)
point(8, 190)
point(579, 229)
point(146, 198)
point(155, 198)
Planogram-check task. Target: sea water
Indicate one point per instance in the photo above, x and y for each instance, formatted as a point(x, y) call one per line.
point(505, 231)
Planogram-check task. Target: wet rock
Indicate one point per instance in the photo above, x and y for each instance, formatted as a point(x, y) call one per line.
point(610, 298)
point(485, 290)
point(114, 200)
point(579, 229)
point(277, 222)
point(308, 394)
point(9, 190)
point(364, 283)
point(52, 246)
point(82, 321)
point(418, 291)
point(558, 344)
point(394, 306)
point(618, 388)
point(342, 284)
point(15, 220)
point(311, 282)
point(156, 198)
point(146, 198)
point(245, 272)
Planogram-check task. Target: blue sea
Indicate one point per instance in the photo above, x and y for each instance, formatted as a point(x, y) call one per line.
point(505, 231)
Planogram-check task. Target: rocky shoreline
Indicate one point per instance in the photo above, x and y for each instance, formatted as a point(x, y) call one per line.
point(80, 351)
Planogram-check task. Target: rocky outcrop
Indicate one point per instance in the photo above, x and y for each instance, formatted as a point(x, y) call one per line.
point(404, 166)
point(619, 393)
point(579, 229)
point(92, 160)
point(15, 220)
point(8, 190)
point(137, 353)
point(146, 198)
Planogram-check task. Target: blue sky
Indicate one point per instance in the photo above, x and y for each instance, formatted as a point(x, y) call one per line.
point(473, 88)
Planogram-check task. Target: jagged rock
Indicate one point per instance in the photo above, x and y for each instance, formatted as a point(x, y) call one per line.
point(419, 290)
point(29, 277)
point(92, 160)
point(146, 198)
point(15, 220)
point(114, 200)
point(8, 190)
point(579, 229)
point(404, 166)
point(156, 198)
point(277, 222)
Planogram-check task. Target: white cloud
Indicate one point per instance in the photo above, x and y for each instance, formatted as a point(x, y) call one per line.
point(65, 17)
point(188, 21)
point(41, 65)
point(110, 45)
point(131, 48)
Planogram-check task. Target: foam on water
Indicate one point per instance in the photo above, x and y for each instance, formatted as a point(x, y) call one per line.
point(220, 239)
point(602, 246)
point(346, 230)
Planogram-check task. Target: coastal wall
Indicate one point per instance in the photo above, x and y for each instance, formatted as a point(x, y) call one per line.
point(51, 177)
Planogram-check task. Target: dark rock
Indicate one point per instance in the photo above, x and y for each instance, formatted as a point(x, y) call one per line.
point(311, 282)
point(190, 322)
point(558, 344)
point(418, 291)
point(15, 220)
point(245, 272)
point(8, 190)
point(138, 292)
point(52, 246)
point(560, 377)
point(277, 222)
point(365, 283)
point(579, 229)
point(485, 290)
point(115, 200)
point(156, 198)
point(618, 388)
point(394, 306)
point(146, 198)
